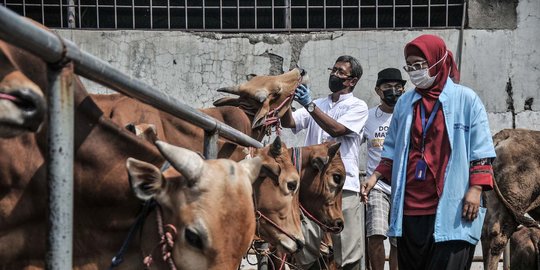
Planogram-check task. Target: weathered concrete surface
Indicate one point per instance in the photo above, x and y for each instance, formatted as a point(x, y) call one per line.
point(492, 14)
point(502, 66)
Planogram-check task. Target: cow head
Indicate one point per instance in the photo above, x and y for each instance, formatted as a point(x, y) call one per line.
point(262, 94)
point(209, 202)
point(22, 103)
point(322, 179)
point(276, 198)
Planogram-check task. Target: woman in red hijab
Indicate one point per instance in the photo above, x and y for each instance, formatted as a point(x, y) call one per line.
point(437, 157)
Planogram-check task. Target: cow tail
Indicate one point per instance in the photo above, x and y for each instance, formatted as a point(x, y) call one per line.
point(519, 217)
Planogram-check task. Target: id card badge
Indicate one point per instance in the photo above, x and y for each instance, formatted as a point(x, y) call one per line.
point(420, 173)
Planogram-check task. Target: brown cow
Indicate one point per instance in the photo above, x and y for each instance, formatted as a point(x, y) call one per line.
point(517, 175)
point(275, 192)
point(276, 198)
point(263, 99)
point(525, 248)
point(22, 105)
point(321, 184)
point(202, 205)
point(104, 204)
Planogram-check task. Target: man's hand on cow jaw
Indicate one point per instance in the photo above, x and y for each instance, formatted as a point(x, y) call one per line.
point(471, 203)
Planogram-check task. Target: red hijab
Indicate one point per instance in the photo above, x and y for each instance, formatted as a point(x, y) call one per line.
point(433, 49)
point(423, 196)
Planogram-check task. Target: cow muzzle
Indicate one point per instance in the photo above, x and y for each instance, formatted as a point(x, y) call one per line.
point(22, 110)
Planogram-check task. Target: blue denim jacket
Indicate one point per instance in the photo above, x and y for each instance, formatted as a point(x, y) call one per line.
point(470, 139)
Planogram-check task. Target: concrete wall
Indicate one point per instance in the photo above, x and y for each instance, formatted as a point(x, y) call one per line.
point(502, 65)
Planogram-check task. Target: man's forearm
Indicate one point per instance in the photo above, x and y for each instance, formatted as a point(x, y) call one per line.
point(328, 124)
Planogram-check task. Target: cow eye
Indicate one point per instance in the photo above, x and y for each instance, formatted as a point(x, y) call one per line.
point(337, 179)
point(193, 239)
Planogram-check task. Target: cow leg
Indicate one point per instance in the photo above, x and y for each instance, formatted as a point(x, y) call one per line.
point(499, 225)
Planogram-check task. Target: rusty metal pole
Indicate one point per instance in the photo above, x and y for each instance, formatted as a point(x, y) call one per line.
point(60, 171)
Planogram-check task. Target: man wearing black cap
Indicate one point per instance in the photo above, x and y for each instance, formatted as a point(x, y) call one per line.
point(389, 87)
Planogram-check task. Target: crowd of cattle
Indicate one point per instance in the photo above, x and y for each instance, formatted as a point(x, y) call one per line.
point(202, 214)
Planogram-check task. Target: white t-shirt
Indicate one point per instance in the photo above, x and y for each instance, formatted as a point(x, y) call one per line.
point(374, 133)
point(348, 111)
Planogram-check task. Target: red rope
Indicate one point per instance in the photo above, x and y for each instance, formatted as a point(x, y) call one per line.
point(166, 242)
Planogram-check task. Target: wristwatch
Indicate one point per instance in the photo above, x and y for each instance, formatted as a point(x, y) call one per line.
point(310, 107)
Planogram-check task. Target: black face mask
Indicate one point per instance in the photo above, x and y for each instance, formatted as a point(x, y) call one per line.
point(335, 83)
point(391, 96)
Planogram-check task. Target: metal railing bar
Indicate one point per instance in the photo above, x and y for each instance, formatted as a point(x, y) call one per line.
point(341, 13)
point(80, 17)
point(256, 7)
point(376, 14)
point(115, 15)
point(168, 14)
point(62, 15)
point(47, 45)
point(203, 15)
point(133, 13)
point(429, 14)
point(97, 13)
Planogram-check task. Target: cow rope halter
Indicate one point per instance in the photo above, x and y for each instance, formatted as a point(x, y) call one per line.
point(297, 161)
point(166, 237)
point(259, 214)
point(272, 118)
point(167, 234)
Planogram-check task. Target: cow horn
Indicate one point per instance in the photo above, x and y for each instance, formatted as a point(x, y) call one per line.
point(333, 149)
point(252, 167)
point(185, 161)
point(275, 149)
point(235, 90)
point(261, 95)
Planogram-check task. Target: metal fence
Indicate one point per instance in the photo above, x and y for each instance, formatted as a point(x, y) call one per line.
point(242, 15)
point(24, 34)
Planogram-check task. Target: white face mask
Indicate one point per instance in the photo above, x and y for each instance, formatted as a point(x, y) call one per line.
point(421, 79)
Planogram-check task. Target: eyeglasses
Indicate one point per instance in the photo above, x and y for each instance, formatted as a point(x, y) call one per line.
point(339, 72)
point(414, 66)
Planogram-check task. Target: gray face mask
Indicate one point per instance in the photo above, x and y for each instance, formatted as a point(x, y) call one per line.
point(421, 79)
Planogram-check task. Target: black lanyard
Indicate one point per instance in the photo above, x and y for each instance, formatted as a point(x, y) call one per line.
point(425, 126)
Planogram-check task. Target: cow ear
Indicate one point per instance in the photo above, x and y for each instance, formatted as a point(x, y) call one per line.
point(333, 149)
point(319, 162)
point(145, 179)
point(260, 116)
point(227, 101)
point(250, 76)
point(252, 167)
point(185, 161)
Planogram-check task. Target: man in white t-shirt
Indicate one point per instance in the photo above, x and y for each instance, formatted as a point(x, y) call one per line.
point(389, 87)
point(338, 117)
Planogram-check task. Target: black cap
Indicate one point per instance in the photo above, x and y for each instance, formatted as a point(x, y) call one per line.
point(389, 75)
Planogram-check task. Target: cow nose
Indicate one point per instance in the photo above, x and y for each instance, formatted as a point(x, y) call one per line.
point(302, 72)
point(292, 185)
point(32, 106)
point(338, 223)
